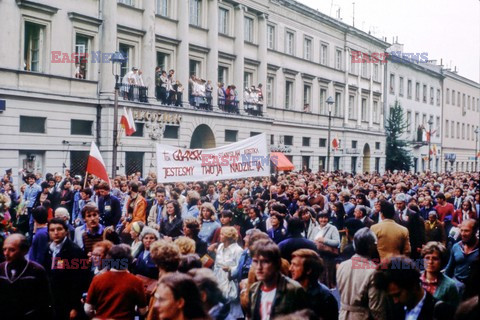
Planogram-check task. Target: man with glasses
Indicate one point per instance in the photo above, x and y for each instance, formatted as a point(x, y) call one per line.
point(274, 294)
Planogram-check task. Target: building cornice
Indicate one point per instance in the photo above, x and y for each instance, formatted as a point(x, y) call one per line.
point(450, 74)
point(84, 19)
point(198, 48)
point(167, 40)
point(130, 31)
point(251, 62)
point(308, 76)
point(324, 80)
point(225, 55)
point(272, 67)
point(290, 71)
point(40, 7)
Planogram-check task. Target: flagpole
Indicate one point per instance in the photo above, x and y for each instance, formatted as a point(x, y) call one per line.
point(85, 181)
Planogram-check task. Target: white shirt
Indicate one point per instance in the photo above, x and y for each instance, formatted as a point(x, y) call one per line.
point(266, 303)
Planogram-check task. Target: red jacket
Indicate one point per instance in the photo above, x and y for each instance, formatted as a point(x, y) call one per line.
point(457, 217)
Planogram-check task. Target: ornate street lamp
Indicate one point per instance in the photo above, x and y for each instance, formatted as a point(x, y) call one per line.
point(329, 102)
point(117, 60)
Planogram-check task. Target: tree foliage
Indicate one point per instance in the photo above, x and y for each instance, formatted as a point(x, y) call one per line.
point(398, 157)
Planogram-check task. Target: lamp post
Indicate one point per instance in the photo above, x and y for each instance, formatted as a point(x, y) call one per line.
point(477, 131)
point(430, 123)
point(117, 60)
point(329, 102)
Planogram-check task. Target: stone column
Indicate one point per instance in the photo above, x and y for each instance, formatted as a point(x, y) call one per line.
point(238, 65)
point(148, 62)
point(182, 67)
point(262, 52)
point(212, 58)
point(108, 44)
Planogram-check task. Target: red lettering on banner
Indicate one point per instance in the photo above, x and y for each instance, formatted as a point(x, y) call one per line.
point(241, 167)
point(188, 155)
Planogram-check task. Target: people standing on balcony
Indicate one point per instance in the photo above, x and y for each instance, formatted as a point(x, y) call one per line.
point(171, 89)
point(191, 83)
point(208, 94)
point(178, 102)
point(127, 84)
point(247, 100)
point(222, 94)
point(158, 82)
point(163, 87)
point(260, 93)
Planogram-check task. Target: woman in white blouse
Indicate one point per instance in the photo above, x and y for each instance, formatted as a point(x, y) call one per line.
point(227, 258)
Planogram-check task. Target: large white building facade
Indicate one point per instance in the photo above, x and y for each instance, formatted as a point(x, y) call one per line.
point(417, 86)
point(461, 122)
point(299, 55)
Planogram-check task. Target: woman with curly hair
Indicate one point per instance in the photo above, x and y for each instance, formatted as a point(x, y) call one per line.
point(191, 228)
point(209, 222)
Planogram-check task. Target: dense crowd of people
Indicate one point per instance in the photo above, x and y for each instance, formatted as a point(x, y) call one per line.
point(290, 246)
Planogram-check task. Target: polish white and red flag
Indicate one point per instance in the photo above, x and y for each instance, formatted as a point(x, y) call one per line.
point(95, 164)
point(127, 122)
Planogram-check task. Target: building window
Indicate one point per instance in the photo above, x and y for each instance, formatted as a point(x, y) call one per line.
point(322, 143)
point(354, 144)
point(392, 83)
point(272, 139)
point(409, 122)
point(458, 99)
point(438, 97)
point(222, 74)
point(81, 49)
point(32, 124)
point(409, 89)
point(139, 126)
point(377, 145)
point(270, 90)
point(452, 130)
point(248, 29)
point(463, 130)
point(247, 79)
point(81, 127)
point(162, 8)
point(162, 60)
point(78, 162)
point(231, 135)
point(271, 37)
point(306, 142)
point(288, 140)
point(417, 91)
point(338, 60)
point(468, 102)
point(290, 43)
point(468, 132)
point(431, 95)
point(307, 49)
point(323, 98)
point(375, 112)
point(437, 121)
point(400, 86)
point(351, 107)
point(458, 130)
point(364, 109)
point(321, 163)
point(127, 2)
point(323, 54)
point(353, 64)
point(134, 162)
point(377, 164)
point(194, 67)
point(338, 104)
point(453, 97)
point(336, 163)
point(34, 47)
point(375, 72)
point(288, 94)
point(447, 96)
point(171, 132)
point(307, 98)
point(254, 133)
point(127, 52)
point(447, 127)
point(365, 70)
point(195, 12)
point(222, 21)
point(425, 93)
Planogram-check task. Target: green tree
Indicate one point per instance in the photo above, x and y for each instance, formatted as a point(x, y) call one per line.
point(398, 157)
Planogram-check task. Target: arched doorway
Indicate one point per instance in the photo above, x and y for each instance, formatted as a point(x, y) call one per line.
point(366, 158)
point(202, 138)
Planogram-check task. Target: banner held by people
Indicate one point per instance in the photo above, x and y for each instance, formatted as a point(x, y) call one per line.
point(246, 158)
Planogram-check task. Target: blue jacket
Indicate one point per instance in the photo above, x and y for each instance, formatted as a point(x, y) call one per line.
point(459, 264)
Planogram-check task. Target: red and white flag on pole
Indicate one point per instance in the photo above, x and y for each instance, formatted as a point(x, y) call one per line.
point(127, 122)
point(95, 164)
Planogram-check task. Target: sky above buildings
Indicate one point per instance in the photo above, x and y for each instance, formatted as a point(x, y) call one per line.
point(446, 29)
